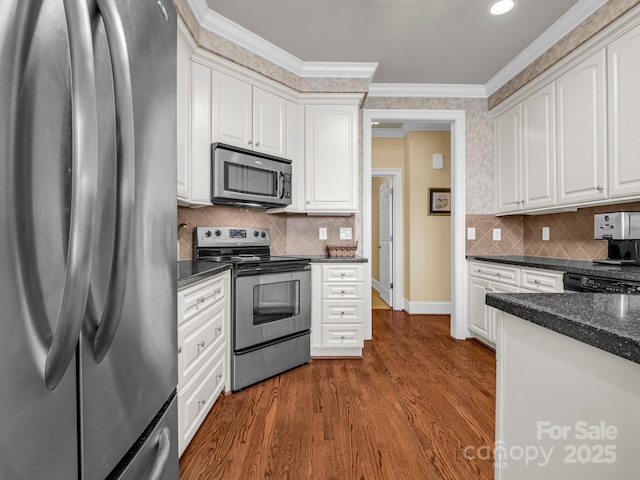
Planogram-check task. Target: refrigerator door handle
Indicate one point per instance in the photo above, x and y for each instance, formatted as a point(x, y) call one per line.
point(83, 196)
point(125, 137)
point(164, 448)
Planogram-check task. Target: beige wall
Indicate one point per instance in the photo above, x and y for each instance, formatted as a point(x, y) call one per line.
point(375, 225)
point(427, 238)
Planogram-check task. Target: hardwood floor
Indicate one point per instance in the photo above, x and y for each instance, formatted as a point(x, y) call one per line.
point(376, 301)
point(406, 410)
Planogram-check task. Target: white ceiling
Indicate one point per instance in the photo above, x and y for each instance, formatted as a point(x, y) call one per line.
point(413, 41)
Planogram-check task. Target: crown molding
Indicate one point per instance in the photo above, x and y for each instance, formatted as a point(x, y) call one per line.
point(552, 35)
point(426, 90)
point(216, 23)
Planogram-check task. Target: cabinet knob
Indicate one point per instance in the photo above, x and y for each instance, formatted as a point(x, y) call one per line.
point(201, 402)
point(200, 299)
point(342, 337)
point(308, 202)
point(257, 144)
point(342, 313)
point(218, 330)
point(598, 188)
point(200, 345)
point(218, 377)
point(179, 348)
point(342, 274)
point(217, 291)
point(517, 202)
point(342, 292)
point(249, 142)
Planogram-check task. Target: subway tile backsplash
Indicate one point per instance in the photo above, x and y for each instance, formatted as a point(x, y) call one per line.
point(571, 234)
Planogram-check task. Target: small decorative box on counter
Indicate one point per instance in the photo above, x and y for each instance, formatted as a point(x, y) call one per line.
point(344, 250)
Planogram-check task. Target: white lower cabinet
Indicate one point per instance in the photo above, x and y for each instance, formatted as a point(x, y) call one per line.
point(486, 277)
point(203, 322)
point(337, 316)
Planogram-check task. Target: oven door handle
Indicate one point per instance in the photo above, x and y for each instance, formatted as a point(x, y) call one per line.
point(267, 269)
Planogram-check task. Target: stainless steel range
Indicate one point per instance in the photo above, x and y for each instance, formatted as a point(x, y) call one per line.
point(271, 307)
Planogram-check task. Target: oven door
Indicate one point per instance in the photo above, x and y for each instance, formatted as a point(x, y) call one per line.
point(270, 305)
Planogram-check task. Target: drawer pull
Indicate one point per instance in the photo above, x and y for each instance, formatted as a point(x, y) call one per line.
point(536, 281)
point(342, 337)
point(342, 274)
point(498, 274)
point(217, 291)
point(201, 402)
point(200, 345)
point(179, 348)
point(200, 299)
point(218, 330)
point(342, 292)
point(342, 313)
point(218, 378)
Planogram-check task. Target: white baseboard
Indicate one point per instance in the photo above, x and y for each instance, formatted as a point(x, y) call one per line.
point(432, 308)
point(376, 284)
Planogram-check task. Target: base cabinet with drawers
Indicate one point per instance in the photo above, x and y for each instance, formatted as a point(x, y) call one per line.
point(203, 323)
point(337, 316)
point(486, 277)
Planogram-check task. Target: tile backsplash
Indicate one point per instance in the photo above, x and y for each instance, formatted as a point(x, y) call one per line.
point(570, 234)
point(292, 234)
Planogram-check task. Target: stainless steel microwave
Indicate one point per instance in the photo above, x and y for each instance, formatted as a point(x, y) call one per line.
point(246, 178)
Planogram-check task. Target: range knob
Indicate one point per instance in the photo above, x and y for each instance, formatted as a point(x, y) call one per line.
point(218, 233)
point(256, 233)
point(263, 234)
point(207, 233)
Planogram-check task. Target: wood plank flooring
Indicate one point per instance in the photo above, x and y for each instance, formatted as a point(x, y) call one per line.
point(376, 301)
point(406, 410)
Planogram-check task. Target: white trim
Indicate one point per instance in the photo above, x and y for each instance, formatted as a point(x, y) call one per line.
point(376, 284)
point(216, 23)
point(565, 24)
point(409, 127)
point(427, 308)
point(458, 262)
point(397, 275)
point(426, 90)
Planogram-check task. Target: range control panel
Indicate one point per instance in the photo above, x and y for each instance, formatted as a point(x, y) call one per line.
point(235, 236)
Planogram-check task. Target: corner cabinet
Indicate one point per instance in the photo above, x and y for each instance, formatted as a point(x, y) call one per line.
point(203, 356)
point(486, 277)
point(331, 159)
point(337, 310)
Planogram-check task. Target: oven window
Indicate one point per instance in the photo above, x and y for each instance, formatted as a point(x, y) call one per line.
point(276, 301)
point(250, 180)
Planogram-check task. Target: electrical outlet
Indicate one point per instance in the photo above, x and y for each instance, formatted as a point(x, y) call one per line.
point(346, 233)
point(545, 234)
point(322, 233)
point(471, 233)
point(497, 234)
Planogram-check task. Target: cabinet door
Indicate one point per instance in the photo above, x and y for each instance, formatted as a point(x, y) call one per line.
point(539, 149)
point(269, 123)
point(492, 312)
point(581, 96)
point(201, 118)
point(478, 319)
point(624, 114)
point(232, 111)
point(331, 153)
point(508, 165)
point(183, 99)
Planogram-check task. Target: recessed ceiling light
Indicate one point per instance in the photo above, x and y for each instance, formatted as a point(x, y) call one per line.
point(502, 6)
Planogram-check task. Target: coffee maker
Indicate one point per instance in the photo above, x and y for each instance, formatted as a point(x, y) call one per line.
point(622, 232)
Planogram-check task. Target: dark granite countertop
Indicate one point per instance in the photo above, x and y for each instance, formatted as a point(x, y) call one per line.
point(610, 322)
point(583, 267)
point(191, 271)
point(327, 259)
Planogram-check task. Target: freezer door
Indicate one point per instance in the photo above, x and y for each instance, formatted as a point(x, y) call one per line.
point(38, 433)
point(157, 458)
point(128, 348)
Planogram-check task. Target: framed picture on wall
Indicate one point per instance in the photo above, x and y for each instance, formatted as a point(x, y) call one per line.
point(439, 201)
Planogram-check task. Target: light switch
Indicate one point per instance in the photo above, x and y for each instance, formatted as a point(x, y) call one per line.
point(471, 233)
point(545, 234)
point(345, 233)
point(497, 234)
point(322, 233)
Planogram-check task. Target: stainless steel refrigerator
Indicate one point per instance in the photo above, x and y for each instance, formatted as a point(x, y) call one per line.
point(88, 362)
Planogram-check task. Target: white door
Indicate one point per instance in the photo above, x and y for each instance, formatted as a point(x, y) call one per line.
point(386, 215)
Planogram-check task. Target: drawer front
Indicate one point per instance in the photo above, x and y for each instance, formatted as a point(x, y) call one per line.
point(497, 273)
point(336, 311)
point(341, 336)
point(337, 291)
point(197, 399)
point(198, 339)
point(342, 273)
point(542, 280)
point(196, 298)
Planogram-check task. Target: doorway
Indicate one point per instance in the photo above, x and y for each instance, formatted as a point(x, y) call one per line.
point(456, 120)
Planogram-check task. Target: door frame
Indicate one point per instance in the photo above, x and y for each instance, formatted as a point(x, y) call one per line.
point(456, 119)
point(396, 231)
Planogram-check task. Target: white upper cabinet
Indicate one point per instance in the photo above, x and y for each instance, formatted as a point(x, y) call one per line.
point(508, 160)
point(539, 149)
point(331, 158)
point(248, 117)
point(183, 119)
point(623, 60)
point(582, 150)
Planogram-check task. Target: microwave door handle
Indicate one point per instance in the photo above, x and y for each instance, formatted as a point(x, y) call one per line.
point(83, 198)
point(125, 135)
point(281, 185)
